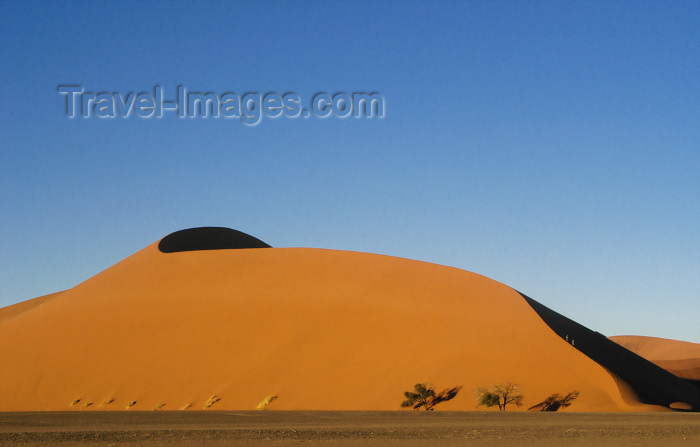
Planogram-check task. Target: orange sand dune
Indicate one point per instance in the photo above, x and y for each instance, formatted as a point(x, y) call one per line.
point(321, 329)
point(683, 368)
point(681, 358)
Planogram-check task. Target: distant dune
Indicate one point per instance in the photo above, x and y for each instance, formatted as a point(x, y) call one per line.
point(320, 329)
point(678, 357)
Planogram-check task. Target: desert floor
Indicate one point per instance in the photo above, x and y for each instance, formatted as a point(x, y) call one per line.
point(337, 428)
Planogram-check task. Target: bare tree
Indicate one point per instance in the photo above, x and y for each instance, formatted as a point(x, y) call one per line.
point(424, 396)
point(500, 395)
point(555, 402)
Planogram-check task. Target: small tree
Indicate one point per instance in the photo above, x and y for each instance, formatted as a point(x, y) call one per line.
point(424, 395)
point(555, 402)
point(488, 398)
point(500, 395)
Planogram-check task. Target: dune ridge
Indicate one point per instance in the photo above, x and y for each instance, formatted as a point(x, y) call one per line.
point(24, 306)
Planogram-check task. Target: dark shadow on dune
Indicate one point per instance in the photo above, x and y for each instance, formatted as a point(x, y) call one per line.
point(208, 238)
point(652, 384)
point(555, 402)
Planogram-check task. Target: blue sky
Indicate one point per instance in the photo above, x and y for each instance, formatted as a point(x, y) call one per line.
point(552, 146)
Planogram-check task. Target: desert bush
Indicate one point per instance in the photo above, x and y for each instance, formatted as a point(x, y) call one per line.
point(500, 395)
point(424, 396)
point(555, 402)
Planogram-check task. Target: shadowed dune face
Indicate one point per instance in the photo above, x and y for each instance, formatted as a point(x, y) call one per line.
point(321, 329)
point(650, 383)
point(208, 238)
point(677, 357)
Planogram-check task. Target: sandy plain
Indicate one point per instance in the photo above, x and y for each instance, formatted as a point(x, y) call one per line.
point(348, 428)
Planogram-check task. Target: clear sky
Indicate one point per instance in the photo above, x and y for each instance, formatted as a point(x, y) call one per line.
point(552, 146)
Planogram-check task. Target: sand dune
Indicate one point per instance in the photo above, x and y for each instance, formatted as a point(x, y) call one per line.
point(321, 329)
point(658, 348)
point(684, 368)
point(678, 357)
